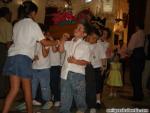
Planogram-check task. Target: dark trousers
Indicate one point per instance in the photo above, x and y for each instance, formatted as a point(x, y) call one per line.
point(4, 81)
point(123, 62)
point(90, 86)
point(55, 82)
point(136, 68)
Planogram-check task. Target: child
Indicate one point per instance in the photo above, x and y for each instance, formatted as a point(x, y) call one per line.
point(55, 70)
point(115, 75)
point(93, 69)
point(41, 75)
point(103, 41)
point(73, 70)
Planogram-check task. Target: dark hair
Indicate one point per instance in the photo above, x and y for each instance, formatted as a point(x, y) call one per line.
point(139, 24)
point(116, 54)
point(26, 8)
point(43, 27)
point(4, 11)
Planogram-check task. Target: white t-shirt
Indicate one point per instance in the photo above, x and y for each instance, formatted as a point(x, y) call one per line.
point(42, 62)
point(54, 58)
point(105, 46)
point(26, 33)
point(81, 51)
point(97, 54)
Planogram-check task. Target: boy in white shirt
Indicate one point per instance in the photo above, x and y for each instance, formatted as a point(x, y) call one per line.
point(93, 69)
point(73, 71)
point(55, 59)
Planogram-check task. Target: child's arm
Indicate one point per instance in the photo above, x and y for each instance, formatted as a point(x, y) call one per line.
point(45, 51)
point(76, 61)
point(47, 42)
point(104, 63)
point(61, 47)
point(121, 71)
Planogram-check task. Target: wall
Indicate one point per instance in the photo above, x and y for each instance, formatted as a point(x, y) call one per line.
point(147, 18)
point(15, 3)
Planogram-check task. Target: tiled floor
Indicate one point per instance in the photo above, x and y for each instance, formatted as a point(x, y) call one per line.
point(119, 102)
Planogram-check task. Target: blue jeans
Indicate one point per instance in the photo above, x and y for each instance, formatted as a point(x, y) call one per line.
point(73, 87)
point(41, 77)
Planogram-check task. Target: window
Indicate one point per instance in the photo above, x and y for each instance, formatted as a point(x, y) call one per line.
point(107, 6)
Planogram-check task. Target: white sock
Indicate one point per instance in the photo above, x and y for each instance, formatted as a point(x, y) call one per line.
point(98, 101)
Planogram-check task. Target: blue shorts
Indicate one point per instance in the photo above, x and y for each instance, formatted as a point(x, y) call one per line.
point(19, 65)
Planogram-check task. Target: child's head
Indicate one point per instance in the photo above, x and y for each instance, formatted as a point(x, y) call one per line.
point(82, 30)
point(116, 57)
point(106, 34)
point(93, 35)
point(27, 10)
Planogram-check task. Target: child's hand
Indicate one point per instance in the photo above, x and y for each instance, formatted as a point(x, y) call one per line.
point(71, 59)
point(65, 36)
point(36, 58)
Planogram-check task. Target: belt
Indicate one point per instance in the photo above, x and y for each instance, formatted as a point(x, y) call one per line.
point(1, 43)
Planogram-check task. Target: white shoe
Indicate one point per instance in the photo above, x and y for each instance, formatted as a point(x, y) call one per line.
point(92, 110)
point(47, 105)
point(79, 112)
point(36, 103)
point(57, 104)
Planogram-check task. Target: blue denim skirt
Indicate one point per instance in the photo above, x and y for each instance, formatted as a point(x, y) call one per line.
point(19, 65)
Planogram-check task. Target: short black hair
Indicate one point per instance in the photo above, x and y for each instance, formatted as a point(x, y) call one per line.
point(4, 11)
point(26, 8)
point(43, 27)
point(139, 24)
point(90, 29)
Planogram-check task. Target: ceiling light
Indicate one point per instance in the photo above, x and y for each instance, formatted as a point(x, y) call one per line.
point(87, 1)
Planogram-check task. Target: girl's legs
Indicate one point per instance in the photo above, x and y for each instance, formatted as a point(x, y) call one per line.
point(26, 85)
point(14, 88)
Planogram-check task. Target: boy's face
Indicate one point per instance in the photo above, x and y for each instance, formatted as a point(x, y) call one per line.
point(92, 39)
point(79, 32)
point(105, 34)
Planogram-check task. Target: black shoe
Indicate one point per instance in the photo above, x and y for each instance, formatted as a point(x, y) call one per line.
point(98, 105)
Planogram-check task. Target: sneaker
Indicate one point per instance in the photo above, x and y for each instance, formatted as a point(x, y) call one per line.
point(21, 106)
point(47, 105)
point(36, 103)
point(57, 104)
point(92, 110)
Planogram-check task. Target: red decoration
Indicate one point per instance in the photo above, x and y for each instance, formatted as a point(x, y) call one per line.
point(62, 16)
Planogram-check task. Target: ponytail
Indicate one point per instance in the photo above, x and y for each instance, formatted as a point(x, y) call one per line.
point(26, 8)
